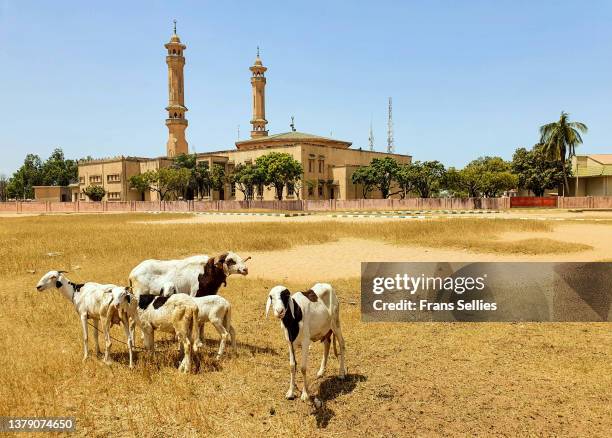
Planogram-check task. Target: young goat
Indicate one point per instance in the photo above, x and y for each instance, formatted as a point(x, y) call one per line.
point(307, 317)
point(91, 301)
point(176, 314)
point(216, 310)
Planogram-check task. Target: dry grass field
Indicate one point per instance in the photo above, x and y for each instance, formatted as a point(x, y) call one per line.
point(404, 379)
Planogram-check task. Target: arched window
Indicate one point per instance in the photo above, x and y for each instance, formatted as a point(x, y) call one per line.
point(173, 52)
point(175, 115)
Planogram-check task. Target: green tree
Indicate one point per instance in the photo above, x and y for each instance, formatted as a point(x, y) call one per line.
point(58, 171)
point(94, 192)
point(3, 188)
point(560, 139)
point(406, 179)
point(428, 177)
point(278, 170)
point(203, 182)
point(485, 176)
point(180, 182)
point(535, 171)
point(189, 162)
point(365, 177)
point(385, 172)
point(140, 183)
point(379, 174)
point(217, 177)
point(163, 181)
point(247, 177)
point(455, 183)
point(21, 184)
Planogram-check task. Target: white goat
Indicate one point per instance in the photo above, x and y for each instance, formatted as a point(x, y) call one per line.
point(91, 301)
point(177, 314)
point(216, 310)
point(197, 275)
point(307, 317)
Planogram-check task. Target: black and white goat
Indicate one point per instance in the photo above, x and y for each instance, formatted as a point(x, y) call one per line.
point(91, 301)
point(176, 314)
point(307, 317)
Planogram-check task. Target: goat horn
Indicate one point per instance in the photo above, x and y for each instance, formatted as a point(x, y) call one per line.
point(62, 272)
point(247, 259)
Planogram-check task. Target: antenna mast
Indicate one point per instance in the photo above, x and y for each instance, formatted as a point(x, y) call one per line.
point(390, 146)
point(371, 137)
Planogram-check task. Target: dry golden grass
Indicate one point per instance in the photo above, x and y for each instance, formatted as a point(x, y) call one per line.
point(404, 379)
point(83, 240)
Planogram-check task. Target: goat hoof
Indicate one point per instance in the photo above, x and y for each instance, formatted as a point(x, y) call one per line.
point(290, 395)
point(341, 376)
point(108, 362)
point(320, 373)
point(305, 397)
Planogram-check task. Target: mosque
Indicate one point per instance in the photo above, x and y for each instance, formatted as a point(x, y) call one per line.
point(328, 163)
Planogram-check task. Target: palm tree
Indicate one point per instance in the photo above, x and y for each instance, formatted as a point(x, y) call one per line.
point(560, 140)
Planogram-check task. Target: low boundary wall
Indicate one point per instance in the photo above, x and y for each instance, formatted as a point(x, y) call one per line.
point(306, 205)
point(288, 205)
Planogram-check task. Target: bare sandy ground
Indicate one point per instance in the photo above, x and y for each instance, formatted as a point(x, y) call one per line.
point(516, 214)
point(341, 259)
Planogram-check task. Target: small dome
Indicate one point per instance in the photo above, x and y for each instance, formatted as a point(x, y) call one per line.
point(258, 61)
point(175, 38)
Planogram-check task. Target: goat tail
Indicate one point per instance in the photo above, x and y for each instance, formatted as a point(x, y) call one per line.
point(195, 329)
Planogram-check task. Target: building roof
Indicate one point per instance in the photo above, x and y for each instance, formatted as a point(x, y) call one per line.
point(602, 158)
point(592, 165)
point(292, 137)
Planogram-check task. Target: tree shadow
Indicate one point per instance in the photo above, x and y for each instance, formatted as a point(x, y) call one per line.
point(331, 388)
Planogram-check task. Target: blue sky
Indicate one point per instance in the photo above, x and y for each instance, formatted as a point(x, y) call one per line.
point(467, 78)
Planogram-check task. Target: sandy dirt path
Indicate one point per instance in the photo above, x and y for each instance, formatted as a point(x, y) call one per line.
point(342, 259)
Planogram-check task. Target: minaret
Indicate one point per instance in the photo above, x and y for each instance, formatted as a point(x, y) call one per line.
point(176, 122)
point(258, 83)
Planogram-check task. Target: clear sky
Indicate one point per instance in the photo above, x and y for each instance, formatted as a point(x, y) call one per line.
point(468, 78)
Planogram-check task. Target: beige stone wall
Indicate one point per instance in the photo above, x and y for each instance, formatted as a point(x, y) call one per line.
point(327, 168)
point(52, 193)
point(321, 164)
point(114, 176)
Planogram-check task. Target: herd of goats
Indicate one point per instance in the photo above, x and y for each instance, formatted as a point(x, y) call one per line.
point(180, 296)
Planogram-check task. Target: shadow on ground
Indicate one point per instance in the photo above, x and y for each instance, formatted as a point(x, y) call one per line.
point(331, 388)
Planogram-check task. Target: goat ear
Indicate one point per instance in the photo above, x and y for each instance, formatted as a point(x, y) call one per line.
point(268, 302)
point(291, 308)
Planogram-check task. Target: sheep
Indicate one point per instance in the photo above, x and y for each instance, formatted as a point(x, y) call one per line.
point(214, 309)
point(91, 301)
point(197, 276)
point(308, 317)
point(176, 314)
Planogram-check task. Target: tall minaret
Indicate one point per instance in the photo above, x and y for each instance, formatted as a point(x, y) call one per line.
point(176, 122)
point(258, 83)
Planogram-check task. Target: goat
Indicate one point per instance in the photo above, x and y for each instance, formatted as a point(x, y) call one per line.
point(216, 310)
point(307, 317)
point(197, 275)
point(176, 314)
point(91, 301)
